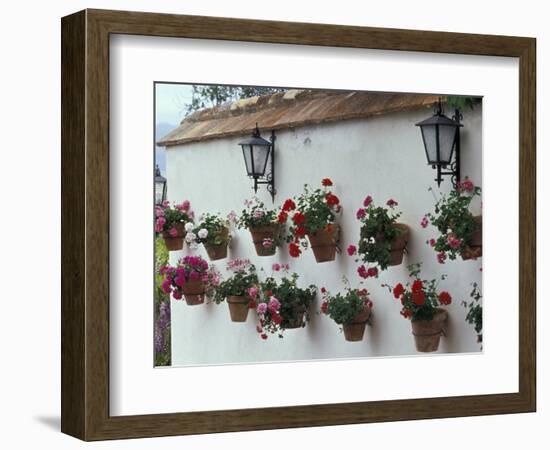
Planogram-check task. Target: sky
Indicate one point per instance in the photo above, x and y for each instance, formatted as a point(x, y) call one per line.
point(170, 102)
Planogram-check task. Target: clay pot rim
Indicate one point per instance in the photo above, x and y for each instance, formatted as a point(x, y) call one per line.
point(443, 314)
point(244, 299)
point(336, 228)
point(264, 227)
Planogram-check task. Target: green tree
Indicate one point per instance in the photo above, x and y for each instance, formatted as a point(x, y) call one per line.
point(207, 96)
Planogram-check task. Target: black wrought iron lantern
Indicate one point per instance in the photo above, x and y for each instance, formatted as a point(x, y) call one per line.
point(258, 153)
point(441, 137)
point(160, 187)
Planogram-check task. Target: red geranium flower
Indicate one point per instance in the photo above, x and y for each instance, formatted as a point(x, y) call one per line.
point(362, 272)
point(406, 313)
point(300, 231)
point(417, 285)
point(289, 205)
point(372, 272)
point(298, 218)
point(324, 307)
point(326, 182)
point(323, 290)
point(294, 250)
point(282, 217)
point(263, 336)
point(331, 199)
point(445, 298)
point(277, 319)
point(252, 304)
point(398, 290)
point(418, 297)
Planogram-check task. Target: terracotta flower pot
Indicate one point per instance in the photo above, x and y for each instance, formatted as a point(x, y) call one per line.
point(323, 244)
point(295, 321)
point(238, 307)
point(174, 243)
point(261, 233)
point(398, 244)
point(216, 252)
point(355, 330)
point(427, 333)
point(193, 291)
point(474, 249)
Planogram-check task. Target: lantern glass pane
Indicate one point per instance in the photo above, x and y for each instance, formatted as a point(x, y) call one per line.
point(430, 143)
point(248, 159)
point(261, 153)
point(159, 192)
point(446, 143)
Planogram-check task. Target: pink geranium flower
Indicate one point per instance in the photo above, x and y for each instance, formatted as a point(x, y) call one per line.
point(261, 308)
point(360, 213)
point(424, 222)
point(367, 201)
point(351, 250)
point(273, 305)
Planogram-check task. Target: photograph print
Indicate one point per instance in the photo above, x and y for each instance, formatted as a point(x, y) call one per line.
point(296, 224)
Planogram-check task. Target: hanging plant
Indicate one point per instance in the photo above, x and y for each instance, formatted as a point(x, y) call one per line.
point(281, 304)
point(170, 221)
point(263, 226)
point(382, 240)
point(313, 222)
point(189, 279)
point(213, 232)
point(351, 310)
point(475, 311)
point(234, 290)
point(420, 302)
point(460, 232)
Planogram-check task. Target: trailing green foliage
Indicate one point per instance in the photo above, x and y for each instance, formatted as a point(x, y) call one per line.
point(243, 278)
point(453, 220)
point(212, 230)
point(377, 233)
point(344, 308)
point(475, 310)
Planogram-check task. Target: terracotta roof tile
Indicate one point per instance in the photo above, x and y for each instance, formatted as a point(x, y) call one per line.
point(289, 109)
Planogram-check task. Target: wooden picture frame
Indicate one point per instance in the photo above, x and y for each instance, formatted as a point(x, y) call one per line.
point(85, 224)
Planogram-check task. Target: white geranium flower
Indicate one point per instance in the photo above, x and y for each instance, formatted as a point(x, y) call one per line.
point(203, 232)
point(190, 237)
point(189, 227)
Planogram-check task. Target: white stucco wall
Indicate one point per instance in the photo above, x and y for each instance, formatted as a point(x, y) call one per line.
point(381, 156)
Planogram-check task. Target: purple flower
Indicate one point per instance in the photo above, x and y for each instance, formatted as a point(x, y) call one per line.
point(176, 294)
